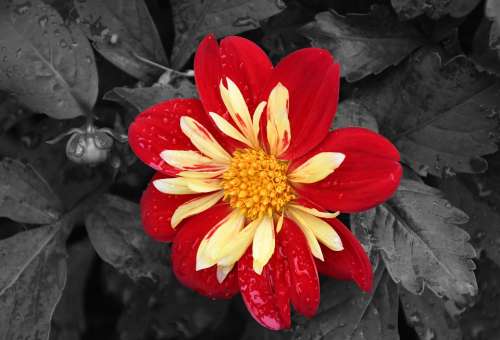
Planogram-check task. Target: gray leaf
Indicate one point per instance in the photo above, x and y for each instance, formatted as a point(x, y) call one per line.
point(428, 315)
point(46, 64)
point(347, 313)
point(439, 115)
point(25, 196)
point(32, 278)
point(417, 234)
point(483, 54)
point(492, 11)
point(409, 9)
point(193, 19)
point(141, 98)
point(116, 232)
point(121, 30)
point(363, 44)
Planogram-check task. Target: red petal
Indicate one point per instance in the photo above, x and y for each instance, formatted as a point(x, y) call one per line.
point(267, 295)
point(184, 251)
point(304, 283)
point(352, 263)
point(312, 79)
point(158, 128)
point(157, 209)
point(237, 58)
point(369, 175)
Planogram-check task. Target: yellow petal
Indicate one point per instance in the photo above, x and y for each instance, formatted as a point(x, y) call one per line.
point(173, 186)
point(228, 129)
point(202, 185)
point(203, 260)
point(263, 244)
point(279, 225)
point(322, 231)
point(317, 167)
point(224, 234)
point(236, 105)
point(194, 207)
point(185, 159)
point(278, 125)
point(223, 272)
point(201, 174)
point(203, 140)
point(256, 119)
point(235, 249)
point(315, 212)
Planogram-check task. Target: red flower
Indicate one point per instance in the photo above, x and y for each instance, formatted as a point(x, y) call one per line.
point(247, 174)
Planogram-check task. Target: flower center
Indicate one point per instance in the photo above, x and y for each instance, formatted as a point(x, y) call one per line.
point(256, 183)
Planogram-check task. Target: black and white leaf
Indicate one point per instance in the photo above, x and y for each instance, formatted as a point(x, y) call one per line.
point(25, 196)
point(48, 65)
point(418, 235)
point(439, 114)
point(193, 19)
point(115, 230)
point(363, 44)
point(409, 9)
point(123, 32)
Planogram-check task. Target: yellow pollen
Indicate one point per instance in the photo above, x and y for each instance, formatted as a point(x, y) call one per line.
point(256, 183)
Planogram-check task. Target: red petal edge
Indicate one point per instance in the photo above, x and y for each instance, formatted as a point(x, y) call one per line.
point(184, 251)
point(352, 263)
point(369, 175)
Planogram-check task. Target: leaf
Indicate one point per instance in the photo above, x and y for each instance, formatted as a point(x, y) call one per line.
point(481, 321)
point(193, 19)
point(32, 279)
point(25, 196)
point(121, 30)
point(140, 98)
point(409, 9)
point(347, 313)
point(484, 55)
point(68, 322)
point(440, 115)
point(46, 64)
point(492, 11)
point(484, 222)
point(363, 44)
point(348, 115)
point(428, 315)
point(116, 232)
point(420, 242)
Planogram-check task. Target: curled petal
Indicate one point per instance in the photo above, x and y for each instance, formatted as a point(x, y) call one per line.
point(278, 125)
point(368, 176)
point(183, 185)
point(189, 160)
point(195, 206)
point(184, 248)
point(317, 167)
point(263, 243)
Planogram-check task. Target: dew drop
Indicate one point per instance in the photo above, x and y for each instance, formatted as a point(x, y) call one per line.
point(23, 8)
point(63, 43)
point(43, 21)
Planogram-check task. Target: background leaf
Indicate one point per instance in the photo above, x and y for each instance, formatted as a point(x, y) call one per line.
point(121, 30)
point(193, 19)
point(439, 114)
point(115, 230)
point(45, 63)
point(435, 9)
point(32, 278)
point(363, 44)
point(417, 234)
point(25, 196)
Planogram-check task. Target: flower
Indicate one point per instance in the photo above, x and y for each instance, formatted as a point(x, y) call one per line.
point(247, 177)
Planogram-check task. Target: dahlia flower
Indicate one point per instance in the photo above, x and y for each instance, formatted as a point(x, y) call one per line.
point(250, 180)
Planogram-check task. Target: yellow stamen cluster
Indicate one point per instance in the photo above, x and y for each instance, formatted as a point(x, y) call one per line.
point(256, 183)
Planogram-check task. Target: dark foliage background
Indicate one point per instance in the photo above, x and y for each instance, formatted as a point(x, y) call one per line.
point(74, 261)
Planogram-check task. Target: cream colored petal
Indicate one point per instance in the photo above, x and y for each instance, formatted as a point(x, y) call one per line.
point(279, 225)
point(194, 207)
point(203, 260)
point(315, 212)
point(263, 244)
point(223, 272)
point(203, 140)
point(224, 234)
point(317, 167)
point(236, 105)
point(323, 231)
point(228, 129)
point(201, 174)
point(278, 125)
point(173, 186)
point(202, 185)
point(256, 120)
point(186, 159)
point(235, 249)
